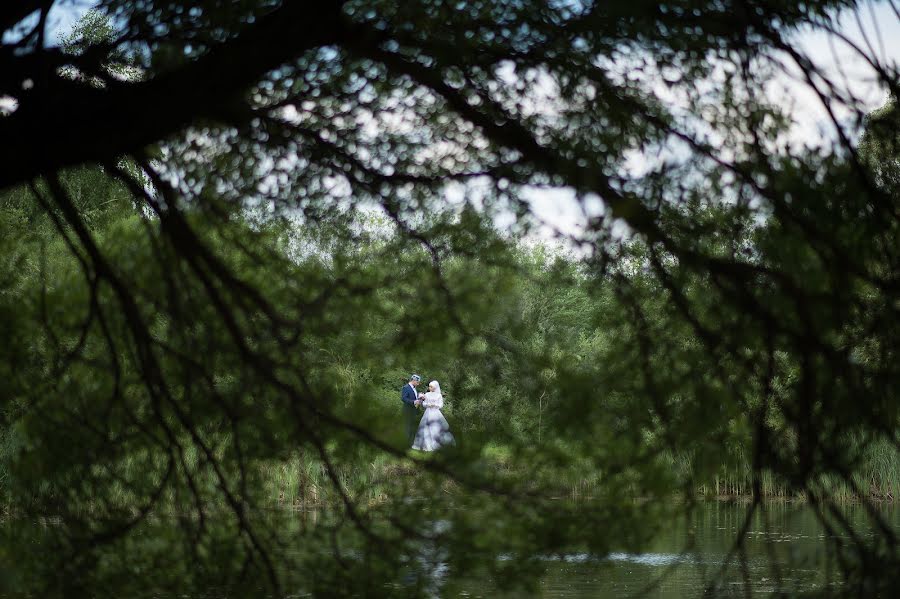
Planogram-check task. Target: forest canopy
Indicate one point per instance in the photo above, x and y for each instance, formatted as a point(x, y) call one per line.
point(231, 230)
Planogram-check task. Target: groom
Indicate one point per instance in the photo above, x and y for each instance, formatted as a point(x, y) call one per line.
point(410, 400)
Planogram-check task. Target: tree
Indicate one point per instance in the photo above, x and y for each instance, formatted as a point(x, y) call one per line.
point(879, 147)
point(752, 294)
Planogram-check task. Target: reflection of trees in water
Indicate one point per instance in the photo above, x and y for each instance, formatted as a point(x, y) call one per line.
point(791, 545)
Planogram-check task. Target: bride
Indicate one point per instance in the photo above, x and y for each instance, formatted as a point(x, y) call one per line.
point(434, 431)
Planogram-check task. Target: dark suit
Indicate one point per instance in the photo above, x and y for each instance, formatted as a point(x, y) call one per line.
point(409, 396)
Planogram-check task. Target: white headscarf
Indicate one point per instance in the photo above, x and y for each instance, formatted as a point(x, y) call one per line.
point(434, 399)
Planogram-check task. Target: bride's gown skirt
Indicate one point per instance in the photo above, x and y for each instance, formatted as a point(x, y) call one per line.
point(433, 432)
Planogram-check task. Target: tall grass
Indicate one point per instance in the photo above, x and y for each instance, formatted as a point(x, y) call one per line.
point(302, 480)
point(876, 477)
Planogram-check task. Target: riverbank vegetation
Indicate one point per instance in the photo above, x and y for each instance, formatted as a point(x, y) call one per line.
point(546, 313)
point(217, 276)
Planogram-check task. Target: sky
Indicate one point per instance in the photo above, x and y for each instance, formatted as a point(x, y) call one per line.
point(876, 32)
point(875, 28)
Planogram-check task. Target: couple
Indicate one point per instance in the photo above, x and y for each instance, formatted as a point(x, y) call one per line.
point(433, 431)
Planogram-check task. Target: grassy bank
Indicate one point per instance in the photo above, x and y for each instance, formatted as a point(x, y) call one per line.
point(876, 476)
point(303, 481)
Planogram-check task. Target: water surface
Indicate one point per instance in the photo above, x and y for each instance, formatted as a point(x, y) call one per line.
point(785, 550)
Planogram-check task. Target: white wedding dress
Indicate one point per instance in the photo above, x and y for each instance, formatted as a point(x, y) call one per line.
point(434, 430)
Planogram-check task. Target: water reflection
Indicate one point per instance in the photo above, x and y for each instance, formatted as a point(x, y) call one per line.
point(785, 551)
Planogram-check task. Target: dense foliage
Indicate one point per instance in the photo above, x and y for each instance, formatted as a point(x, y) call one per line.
point(256, 218)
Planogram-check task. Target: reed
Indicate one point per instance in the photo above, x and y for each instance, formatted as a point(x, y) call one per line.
point(302, 480)
point(876, 477)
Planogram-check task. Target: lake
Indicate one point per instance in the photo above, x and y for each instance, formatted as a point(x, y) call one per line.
point(791, 547)
point(785, 550)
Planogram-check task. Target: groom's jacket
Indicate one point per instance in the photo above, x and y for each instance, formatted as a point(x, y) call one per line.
point(408, 395)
